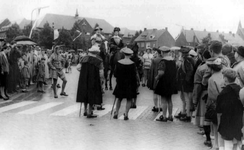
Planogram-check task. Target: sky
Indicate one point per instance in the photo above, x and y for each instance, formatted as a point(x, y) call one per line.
point(212, 15)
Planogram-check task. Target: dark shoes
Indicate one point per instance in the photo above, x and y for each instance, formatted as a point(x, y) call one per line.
point(186, 119)
point(5, 98)
point(180, 115)
point(55, 96)
point(91, 116)
point(110, 88)
point(126, 117)
point(115, 117)
point(156, 109)
point(162, 118)
point(143, 85)
point(133, 106)
point(64, 94)
point(208, 144)
point(170, 118)
point(58, 86)
point(100, 108)
point(41, 91)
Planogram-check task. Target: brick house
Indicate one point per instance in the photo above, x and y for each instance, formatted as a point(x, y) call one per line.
point(154, 38)
point(194, 37)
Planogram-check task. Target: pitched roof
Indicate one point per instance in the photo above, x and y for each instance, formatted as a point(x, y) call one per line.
point(127, 32)
point(24, 22)
point(67, 22)
point(189, 34)
point(231, 38)
point(150, 35)
point(201, 34)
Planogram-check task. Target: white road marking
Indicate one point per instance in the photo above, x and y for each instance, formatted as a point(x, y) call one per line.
point(134, 113)
point(40, 108)
point(68, 110)
point(14, 106)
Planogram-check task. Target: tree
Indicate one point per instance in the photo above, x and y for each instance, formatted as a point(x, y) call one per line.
point(26, 30)
point(46, 36)
point(134, 37)
point(83, 40)
point(65, 37)
point(12, 32)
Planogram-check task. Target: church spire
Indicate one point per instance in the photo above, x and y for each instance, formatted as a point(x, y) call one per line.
point(76, 14)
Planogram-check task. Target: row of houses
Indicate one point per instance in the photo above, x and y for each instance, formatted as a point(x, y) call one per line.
point(156, 38)
point(84, 24)
point(148, 38)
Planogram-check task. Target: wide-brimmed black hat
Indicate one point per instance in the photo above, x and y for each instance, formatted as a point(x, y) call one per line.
point(184, 50)
point(98, 28)
point(116, 29)
point(240, 51)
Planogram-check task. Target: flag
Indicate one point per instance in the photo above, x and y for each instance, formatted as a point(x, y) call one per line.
point(34, 25)
point(56, 34)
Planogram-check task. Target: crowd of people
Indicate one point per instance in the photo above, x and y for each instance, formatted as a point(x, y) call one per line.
point(209, 79)
point(22, 66)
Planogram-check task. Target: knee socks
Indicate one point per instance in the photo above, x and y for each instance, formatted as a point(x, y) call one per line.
point(207, 131)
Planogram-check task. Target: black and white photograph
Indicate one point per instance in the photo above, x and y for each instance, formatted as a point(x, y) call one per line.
point(121, 74)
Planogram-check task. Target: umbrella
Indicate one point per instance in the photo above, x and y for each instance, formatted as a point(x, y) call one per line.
point(175, 48)
point(80, 50)
point(72, 51)
point(22, 38)
point(25, 43)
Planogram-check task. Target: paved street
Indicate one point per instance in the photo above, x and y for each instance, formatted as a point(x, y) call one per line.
point(35, 121)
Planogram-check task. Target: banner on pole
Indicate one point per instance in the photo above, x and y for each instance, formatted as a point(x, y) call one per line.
point(56, 34)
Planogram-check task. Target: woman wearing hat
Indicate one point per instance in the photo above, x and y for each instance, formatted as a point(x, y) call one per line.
point(126, 78)
point(115, 43)
point(97, 38)
point(89, 86)
point(165, 82)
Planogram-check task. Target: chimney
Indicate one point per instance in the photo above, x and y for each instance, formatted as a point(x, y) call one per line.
point(191, 28)
point(230, 32)
point(209, 35)
point(76, 14)
point(217, 31)
point(145, 29)
point(166, 28)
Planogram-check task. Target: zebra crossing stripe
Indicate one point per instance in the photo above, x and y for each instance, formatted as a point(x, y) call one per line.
point(101, 113)
point(14, 106)
point(66, 111)
point(40, 108)
point(134, 113)
point(173, 113)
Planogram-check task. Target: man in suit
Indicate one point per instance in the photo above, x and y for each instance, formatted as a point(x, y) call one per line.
point(4, 65)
